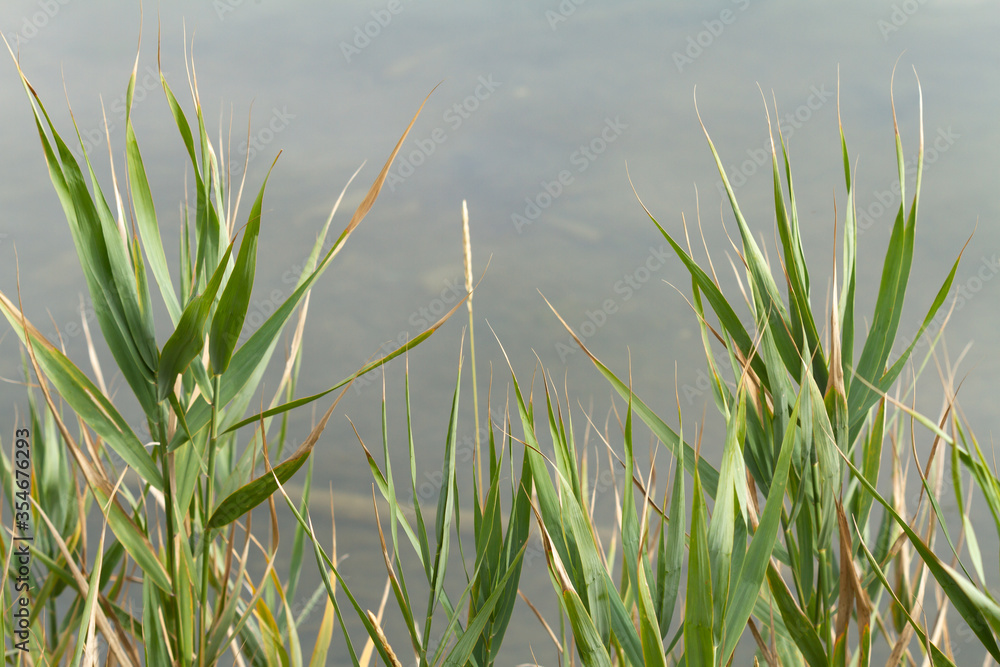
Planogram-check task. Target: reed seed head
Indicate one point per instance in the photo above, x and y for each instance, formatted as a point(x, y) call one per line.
point(382, 639)
point(468, 250)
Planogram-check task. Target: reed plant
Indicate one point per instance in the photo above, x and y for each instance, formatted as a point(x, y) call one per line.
point(797, 539)
point(174, 581)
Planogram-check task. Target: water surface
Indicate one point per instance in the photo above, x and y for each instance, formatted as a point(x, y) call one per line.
point(541, 108)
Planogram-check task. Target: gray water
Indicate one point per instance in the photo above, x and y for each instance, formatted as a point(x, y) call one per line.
point(539, 109)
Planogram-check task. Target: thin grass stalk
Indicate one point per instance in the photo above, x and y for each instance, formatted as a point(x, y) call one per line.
point(207, 509)
point(467, 247)
point(168, 498)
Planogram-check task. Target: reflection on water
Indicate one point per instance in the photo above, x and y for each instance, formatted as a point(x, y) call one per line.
point(540, 107)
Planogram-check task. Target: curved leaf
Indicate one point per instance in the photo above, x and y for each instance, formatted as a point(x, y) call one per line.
point(187, 340)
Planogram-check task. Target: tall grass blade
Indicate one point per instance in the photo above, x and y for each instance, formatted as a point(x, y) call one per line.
point(796, 269)
point(699, 646)
point(82, 395)
point(235, 299)
point(725, 516)
point(764, 286)
point(465, 646)
point(445, 511)
point(325, 637)
point(188, 339)
point(673, 553)
point(649, 628)
point(252, 494)
point(200, 419)
point(727, 316)
point(145, 212)
point(953, 585)
point(663, 433)
point(568, 525)
point(87, 640)
point(589, 641)
point(800, 628)
point(749, 580)
point(938, 658)
point(90, 241)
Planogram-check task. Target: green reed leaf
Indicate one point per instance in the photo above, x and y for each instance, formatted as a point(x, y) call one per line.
point(188, 339)
point(699, 646)
point(232, 311)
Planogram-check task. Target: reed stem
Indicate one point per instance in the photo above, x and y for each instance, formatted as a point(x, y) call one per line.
point(472, 344)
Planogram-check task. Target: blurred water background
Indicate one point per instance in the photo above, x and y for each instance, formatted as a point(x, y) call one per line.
point(541, 106)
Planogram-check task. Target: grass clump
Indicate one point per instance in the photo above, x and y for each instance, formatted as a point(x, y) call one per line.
point(212, 458)
point(791, 551)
